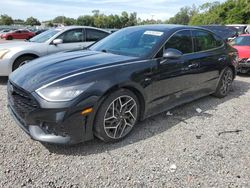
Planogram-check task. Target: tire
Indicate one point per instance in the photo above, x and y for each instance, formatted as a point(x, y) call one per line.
point(225, 83)
point(21, 61)
point(114, 122)
point(9, 38)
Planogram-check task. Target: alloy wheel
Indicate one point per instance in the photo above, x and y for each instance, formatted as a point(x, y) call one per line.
point(120, 117)
point(227, 80)
point(23, 63)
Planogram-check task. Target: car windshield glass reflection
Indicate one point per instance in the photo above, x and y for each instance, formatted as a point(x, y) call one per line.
point(137, 43)
point(242, 41)
point(43, 37)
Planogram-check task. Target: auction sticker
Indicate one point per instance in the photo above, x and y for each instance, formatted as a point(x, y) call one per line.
point(155, 33)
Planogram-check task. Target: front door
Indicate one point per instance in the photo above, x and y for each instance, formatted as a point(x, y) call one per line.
point(174, 79)
point(72, 40)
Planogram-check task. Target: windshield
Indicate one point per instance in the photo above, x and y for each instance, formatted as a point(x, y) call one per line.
point(135, 42)
point(43, 37)
point(241, 41)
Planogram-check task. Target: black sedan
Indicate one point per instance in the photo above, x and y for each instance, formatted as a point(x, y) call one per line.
point(105, 90)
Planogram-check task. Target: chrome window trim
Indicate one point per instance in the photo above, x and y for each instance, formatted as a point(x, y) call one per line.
point(191, 29)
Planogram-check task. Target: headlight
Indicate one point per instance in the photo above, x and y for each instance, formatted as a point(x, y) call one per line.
point(62, 94)
point(3, 52)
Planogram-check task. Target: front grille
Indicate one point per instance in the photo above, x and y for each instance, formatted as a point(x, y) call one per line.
point(244, 60)
point(21, 101)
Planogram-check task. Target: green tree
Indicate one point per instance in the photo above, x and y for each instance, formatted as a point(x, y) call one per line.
point(69, 21)
point(124, 19)
point(59, 19)
point(183, 16)
point(6, 20)
point(85, 20)
point(231, 11)
point(32, 21)
point(49, 24)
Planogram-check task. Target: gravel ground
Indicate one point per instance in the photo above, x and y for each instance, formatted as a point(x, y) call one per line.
point(187, 149)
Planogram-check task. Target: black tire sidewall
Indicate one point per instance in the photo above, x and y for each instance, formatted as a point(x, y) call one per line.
point(98, 123)
point(218, 89)
point(21, 59)
point(9, 38)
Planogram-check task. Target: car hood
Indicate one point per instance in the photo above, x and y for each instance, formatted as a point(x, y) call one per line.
point(47, 69)
point(244, 51)
point(21, 44)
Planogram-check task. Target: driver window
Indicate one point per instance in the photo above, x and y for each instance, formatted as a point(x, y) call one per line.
point(72, 36)
point(181, 41)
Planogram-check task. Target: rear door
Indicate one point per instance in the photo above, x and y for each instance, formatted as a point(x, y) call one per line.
point(209, 53)
point(175, 80)
point(94, 35)
point(72, 40)
point(24, 34)
point(16, 34)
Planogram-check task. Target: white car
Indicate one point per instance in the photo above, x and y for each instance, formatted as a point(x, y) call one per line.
point(15, 54)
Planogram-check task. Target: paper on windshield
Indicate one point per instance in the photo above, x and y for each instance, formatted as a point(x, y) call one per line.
point(154, 33)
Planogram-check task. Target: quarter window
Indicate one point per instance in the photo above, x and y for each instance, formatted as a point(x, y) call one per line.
point(181, 41)
point(72, 36)
point(94, 35)
point(205, 41)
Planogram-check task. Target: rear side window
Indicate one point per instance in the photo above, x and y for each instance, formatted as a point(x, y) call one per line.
point(181, 41)
point(205, 41)
point(94, 35)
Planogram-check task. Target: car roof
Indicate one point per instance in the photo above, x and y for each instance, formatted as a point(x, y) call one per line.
point(167, 27)
point(80, 27)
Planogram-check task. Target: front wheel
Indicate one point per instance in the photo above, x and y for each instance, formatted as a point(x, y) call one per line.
point(225, 83)
point(117, 116)
point(21, 61)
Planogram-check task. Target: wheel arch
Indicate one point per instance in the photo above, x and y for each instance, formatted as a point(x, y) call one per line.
point(234, 70)
point(22, 55)
point(133, 89)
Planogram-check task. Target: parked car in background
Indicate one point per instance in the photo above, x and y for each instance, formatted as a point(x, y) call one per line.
point(242, 28)
point(225, 32)
point(16, 54)
point(37, 32)
point(242, 44)
point(18, 34)
point(130, 75)
point(4, 31)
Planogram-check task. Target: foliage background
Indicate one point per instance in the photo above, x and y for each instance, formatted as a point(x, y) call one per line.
point(229, 12)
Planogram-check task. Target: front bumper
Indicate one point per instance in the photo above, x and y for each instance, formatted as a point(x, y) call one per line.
point(56, 126)
point(244, 66)
point(5, 67)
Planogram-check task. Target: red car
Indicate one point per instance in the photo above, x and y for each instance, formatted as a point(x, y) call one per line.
point(242, 44)
point(18, 34)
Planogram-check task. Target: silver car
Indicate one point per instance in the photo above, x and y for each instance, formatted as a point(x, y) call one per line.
point(15, 54)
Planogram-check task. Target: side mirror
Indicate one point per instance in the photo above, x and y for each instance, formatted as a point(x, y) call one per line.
point(57, 41)
point(172, 53)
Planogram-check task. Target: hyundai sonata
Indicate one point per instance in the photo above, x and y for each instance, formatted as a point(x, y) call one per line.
point(105, 90)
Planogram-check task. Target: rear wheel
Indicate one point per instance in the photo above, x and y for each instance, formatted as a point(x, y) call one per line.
point(22, 60)
point(117, 116)
point(225, 83)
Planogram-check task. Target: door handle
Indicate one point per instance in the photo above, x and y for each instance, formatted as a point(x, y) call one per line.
point(193, 65)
